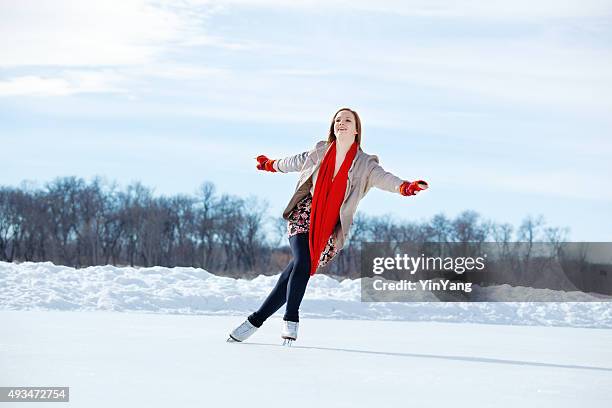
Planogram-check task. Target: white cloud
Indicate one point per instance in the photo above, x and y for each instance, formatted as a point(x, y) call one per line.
point(302, 72)
point(104, 33)
point(490, 9)
point(68, 83)
point(529, 72)
point(34, 85)
point(215, 41)
point(85, 33)
point(493, 9)
point(137, 32)
point(132, 36)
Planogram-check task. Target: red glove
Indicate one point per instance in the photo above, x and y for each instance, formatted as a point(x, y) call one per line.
point(408, 188)
point(263, 163)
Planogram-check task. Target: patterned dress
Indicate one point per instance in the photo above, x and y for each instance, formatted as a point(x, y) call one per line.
point(299, 222)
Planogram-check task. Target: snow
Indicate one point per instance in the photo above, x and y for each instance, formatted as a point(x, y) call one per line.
point(44, 286)
point(158, 360)
point(155, 337)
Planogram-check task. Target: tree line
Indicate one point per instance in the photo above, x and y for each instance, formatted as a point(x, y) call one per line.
point(72, 222)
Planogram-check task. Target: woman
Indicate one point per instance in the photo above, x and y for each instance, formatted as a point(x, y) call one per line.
point(334, 177)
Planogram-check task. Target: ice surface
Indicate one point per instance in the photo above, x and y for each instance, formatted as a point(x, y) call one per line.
point(111, 359)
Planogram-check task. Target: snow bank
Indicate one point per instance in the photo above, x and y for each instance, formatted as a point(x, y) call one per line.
point(44, 286)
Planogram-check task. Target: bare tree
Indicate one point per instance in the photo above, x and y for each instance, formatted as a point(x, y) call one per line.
point(73, 222)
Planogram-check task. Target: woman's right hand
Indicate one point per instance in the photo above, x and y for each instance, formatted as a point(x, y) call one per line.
point(263, 163)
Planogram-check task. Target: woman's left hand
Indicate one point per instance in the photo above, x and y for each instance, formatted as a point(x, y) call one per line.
point(408, 188)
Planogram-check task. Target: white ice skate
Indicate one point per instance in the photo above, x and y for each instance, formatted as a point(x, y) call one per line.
point(242, 332)
point(289, 332)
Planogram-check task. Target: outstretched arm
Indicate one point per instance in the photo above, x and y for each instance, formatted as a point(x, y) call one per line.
point(387, 181)
point(291, 163)
point(288, 164)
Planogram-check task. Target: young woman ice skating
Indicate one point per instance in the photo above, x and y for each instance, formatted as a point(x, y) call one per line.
point(334, 177)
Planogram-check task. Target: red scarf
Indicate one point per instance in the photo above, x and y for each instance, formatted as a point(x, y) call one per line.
point(326, 201)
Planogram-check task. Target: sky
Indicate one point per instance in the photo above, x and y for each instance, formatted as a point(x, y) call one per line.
point(503, 107)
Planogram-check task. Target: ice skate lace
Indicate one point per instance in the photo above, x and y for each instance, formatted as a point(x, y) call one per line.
point(291, 328)
point(243, 328)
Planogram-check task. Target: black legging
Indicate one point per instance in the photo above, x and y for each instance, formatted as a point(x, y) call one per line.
point(291, 285)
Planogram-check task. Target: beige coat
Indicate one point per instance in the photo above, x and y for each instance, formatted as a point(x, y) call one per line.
point(364, 173)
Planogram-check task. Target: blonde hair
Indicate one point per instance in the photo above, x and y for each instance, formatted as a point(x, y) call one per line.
point(332, 136)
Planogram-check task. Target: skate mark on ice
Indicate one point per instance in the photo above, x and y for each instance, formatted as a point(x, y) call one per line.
point(443, 357)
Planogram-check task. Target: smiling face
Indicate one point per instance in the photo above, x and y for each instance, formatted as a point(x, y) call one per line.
point(345, 124)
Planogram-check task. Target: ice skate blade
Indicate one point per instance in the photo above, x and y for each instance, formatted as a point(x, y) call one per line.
point(230, 339)
point(287, 341)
